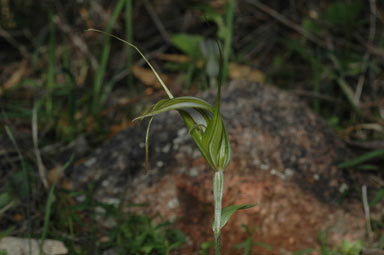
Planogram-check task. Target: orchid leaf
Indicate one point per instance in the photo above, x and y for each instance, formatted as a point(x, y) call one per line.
point(228, 211)
point(189, 44)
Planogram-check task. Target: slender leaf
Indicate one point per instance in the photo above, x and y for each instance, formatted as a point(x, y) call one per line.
point(264, 245)
point(129, 38)
point(97, 87)
point(189, 44)
point(47, 217)
point(228, 211)
point(368, 167)
point(5, 198)
point(48, 207)
point(380, 243)
point(230, 6)
point(362, 158)
point(378, 197)
point(248, 246)
point(306, 251)
point(7, 232)
point(51, 65)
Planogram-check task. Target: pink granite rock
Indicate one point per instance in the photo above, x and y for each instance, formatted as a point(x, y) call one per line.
point(284, 159)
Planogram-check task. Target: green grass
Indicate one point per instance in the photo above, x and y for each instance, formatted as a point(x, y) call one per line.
point(129, 38)
point(230, 5)
point(22, 187)
point(51, 66)
point(99, 79)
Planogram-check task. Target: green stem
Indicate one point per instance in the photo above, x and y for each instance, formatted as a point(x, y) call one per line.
point(230, 5)
point(129, 38)
point(51, 66)
point(218, 184)
point(99, 79)
point(217, 244)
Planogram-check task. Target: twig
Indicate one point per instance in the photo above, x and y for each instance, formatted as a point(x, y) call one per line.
point(371, 37)
point(288, 23)
point(159, 25)
point(95, 7)
point(366, 210)
point(371, 145)
point(6, 207)
point(40, 165)
point(306, 93)
point(371, 251)
point(375, 50)
point(7, 36)
point(76, 39)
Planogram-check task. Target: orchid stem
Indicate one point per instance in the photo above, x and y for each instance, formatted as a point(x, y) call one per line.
point(218, 184)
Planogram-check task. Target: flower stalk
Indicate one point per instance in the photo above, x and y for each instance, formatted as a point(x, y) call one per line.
point(218, 185)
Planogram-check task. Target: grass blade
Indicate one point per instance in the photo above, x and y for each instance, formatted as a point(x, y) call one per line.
point(51, 65)
point(47, 216)
point(48, 207)
point(129, 38)
point(26, 180)
point(104, 58)
point(378, 197)
point(363, 158)
point(230, 6)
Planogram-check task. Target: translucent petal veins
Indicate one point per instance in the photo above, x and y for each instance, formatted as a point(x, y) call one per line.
point(207, 129)
point(204, 124)
point(178, 103)
point(200, 117)
point(202, 120)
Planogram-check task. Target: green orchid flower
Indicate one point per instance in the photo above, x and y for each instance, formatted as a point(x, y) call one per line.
point(206, 126)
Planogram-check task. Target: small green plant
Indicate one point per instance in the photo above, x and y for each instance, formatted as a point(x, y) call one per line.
point(137, 234)
point(248, 244)
point(97, 88)
point(205, 247)
point(351, 248)
point(207, 129)
point(103, 227)
point(346, 248)
point(204, 50)
point(199, 50)
point(360, 161)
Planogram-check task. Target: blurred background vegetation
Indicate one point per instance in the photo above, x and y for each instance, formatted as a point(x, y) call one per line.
point(61, 86)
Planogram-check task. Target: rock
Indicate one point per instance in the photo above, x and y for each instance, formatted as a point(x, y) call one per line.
point(21, 246)
point(284, 159)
